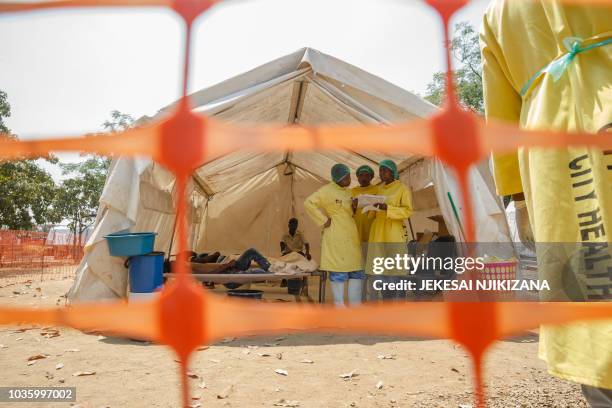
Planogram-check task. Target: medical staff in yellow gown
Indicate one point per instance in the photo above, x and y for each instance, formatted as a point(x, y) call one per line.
point(549, 66)
point(364, 174)
point(388, 237)
point(331, 208)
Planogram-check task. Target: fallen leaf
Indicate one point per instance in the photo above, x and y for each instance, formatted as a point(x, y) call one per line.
point(195, 398)
point(281, 372)
point(83, 373)
point(59, 366)
point(38, 289)
point(306, 361)
point(15, 292)
point(386, 357)
point(279, 356)
point(379, 385)
point(202, 385)
point(192, 375)
point(24, 329)
point(264, 354)
point(50, 333)
point(61, 380)
point(37, 357)
point(455, 370)
point(19, 338)
point(226, 392)
point(286, 403)
point(350, 375)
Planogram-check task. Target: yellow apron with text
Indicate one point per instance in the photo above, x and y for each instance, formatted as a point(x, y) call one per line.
point(568, 191)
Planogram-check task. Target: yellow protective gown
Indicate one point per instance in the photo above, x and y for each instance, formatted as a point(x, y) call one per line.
point(362, 220)
point(388, 226)
point(568, 191)
point(340, 246)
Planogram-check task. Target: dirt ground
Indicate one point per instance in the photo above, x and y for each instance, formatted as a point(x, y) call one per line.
point(390, 372)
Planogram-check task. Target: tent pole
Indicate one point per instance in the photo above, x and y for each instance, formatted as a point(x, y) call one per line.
point(172, 237)
point(411, 230)
point(173, 227)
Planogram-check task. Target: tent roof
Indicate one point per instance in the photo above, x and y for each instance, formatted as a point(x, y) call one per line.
point(305, 87)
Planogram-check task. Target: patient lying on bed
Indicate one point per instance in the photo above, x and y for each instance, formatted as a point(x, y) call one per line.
point(217, 263)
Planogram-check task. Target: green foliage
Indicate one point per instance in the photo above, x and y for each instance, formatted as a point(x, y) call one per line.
point(5, 112)
point(118, 122)
point(27, 196)
point(468, 76)
point(79, 193)
point(27, 192)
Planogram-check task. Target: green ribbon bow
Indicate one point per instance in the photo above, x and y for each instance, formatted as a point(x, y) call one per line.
point(558, 67)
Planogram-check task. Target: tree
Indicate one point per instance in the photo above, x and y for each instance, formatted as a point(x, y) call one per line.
point(27, 192)
point(468, 76)
point(5, 112)
point(79, 193)
point(118, 122)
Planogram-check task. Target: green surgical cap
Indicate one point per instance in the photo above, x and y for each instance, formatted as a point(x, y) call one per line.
point(391, 166)
point(365, 168)
point(339, 171)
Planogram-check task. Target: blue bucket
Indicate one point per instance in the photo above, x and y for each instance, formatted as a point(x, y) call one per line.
point(146, 272)
point(130, 243)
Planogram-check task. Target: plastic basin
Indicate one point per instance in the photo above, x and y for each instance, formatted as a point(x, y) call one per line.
point(130, 243)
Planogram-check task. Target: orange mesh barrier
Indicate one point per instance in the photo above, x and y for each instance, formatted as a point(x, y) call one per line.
point(37, 255)
point(184, 316)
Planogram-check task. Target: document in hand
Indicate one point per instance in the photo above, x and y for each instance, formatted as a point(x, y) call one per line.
point(367, 201)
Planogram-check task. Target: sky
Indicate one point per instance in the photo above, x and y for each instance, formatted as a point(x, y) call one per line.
point(65, 70)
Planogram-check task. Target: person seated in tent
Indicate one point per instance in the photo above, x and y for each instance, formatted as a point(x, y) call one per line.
point(559, 82)
point(294, 241)
point(364, 174)
point(388, 236)
point(331, 208)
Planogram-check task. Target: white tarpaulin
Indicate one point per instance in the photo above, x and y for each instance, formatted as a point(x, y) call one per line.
point(244, 199)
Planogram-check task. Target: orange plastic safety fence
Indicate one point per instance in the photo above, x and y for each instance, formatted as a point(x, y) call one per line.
point(185, 316)
point(37, 255)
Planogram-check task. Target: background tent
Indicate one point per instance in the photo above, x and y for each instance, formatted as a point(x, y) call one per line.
point(244, 199)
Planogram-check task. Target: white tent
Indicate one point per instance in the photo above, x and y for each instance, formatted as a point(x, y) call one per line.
point(244, 199)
